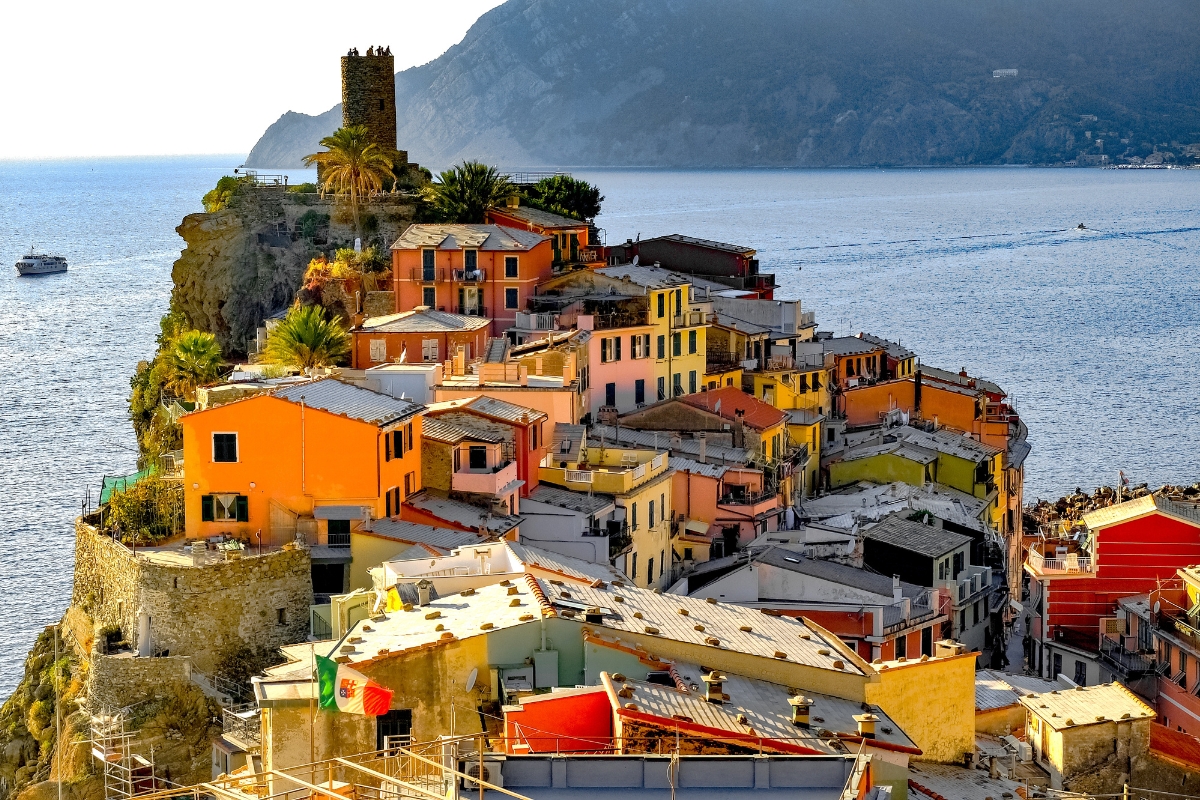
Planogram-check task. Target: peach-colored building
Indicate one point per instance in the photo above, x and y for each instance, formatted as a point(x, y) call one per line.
point(621, 366)
point(420, 335)
point(475, 270)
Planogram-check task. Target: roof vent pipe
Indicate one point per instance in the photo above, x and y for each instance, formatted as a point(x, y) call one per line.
point(714, 691)
point(866, 724)
point(801, 706)
point(897, 592)
point(423, 590)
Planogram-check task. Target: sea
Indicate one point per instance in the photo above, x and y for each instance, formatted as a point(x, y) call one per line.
point(1094, 331)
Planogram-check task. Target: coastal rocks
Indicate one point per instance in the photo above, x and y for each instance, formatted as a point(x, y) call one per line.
point(1071, 508)
point(245, 262)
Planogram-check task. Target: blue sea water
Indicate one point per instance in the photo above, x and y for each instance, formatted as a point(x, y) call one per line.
point(1094, 333)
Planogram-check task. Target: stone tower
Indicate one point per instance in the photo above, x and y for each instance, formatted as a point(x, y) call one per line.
point(369, 95)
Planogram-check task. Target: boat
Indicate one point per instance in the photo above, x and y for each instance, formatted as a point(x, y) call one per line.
point(41, 264)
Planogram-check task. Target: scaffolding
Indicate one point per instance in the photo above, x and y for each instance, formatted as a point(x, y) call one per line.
point(126, 774)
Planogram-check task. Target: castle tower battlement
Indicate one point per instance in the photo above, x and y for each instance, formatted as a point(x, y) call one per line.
point(369, 95)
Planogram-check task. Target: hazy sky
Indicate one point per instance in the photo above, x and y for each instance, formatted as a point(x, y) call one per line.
point(139, 78)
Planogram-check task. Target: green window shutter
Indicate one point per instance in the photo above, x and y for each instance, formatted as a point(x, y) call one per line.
point(387, 447)
point(243, 508)
point(206, 508)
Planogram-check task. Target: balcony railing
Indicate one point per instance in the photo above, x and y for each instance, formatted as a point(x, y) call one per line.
point(907, 612)
point(537, 322)
point(468, 275)
point(689, 319)
point(427, 274)
point(1126, 663)
point(613, 476)
point(242, 722)
point(489, 481)
point(745, 498)
point(471, 311)
point(1066, 564)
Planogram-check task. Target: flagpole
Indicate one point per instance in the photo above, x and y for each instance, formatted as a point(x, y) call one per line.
point(313, 687)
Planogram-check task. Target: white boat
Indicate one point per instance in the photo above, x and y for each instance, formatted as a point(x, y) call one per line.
point(41, 264)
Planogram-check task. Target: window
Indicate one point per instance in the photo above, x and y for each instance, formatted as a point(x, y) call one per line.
point(392, 501)
point(639, 345)
point(633, 566)
point(225, 447)
point(1057, 664)
point(677, 384)
point(534, 435)
point(649, 570)
point(338, 533)
point(429, 296)
point(427, 264)
point(691, 342)
point(378, 350)
point(651, 521)
point(692, 382)
point(281, 616)
point(429, 349)
point(816, 383)
point(662, 385)
point(410, 483)
point(662, 346)
point(610, 349)
point(510, 298)
point(962, 621)
point(958, 566)
point(610, 394)
point(678, 301)
point(901, 647)
point(393, 728)
point(662, 562)
point(510, 267)
point(802, 386)
point(639, 391)
point(662, 297)
point(477, 455)
point(471, 260)
point(1081, 673)
point(676, 344)
point(633, 517)
point(975, 613)
point(224, 508)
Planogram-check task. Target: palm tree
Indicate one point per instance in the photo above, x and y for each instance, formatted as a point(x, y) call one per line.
point(352, 164)
point(467, 191)
point(305, 339)
point(193, 359)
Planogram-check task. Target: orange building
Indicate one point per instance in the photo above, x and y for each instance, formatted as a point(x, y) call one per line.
point(960, 408)
point(318, 459)
point(569, 237)
point(475, 270)
point(422, 334)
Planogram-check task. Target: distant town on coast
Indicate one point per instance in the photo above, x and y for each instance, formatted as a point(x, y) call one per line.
point(444, 493)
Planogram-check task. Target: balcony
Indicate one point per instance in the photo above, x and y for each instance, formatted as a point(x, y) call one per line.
point(471, 311)
point(908, 613)
point(689, 319)
point(242, 723)
point(1125, 663)
point(536, 322)
point(483, 469)
point(971, 583)
point(607, 471)
point(1061, 563)
point(468, 275)
point(808, 319)
point(426, 275)
point(749, 505)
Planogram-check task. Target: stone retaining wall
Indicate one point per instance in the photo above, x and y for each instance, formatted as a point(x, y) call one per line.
point(116, 682)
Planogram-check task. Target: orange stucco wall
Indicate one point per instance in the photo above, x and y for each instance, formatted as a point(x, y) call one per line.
point(298, 458)
point(533, 267)
point(865, 405)
point(397, 343)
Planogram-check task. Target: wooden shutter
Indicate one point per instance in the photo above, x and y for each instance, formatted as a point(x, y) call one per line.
point(243, 508)
point(388, 503)
point(387, 447)
point(206, 508)
point(398, 443)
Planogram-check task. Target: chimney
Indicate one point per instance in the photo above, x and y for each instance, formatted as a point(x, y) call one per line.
point(714, 687)
point(801, 706)
point(944, 648)
point(424, 588)
point(866, 724)
point(513, 201)
point(897, 592)
point(703, 438)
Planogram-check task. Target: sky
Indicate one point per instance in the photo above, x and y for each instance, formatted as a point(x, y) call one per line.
point(129, 77)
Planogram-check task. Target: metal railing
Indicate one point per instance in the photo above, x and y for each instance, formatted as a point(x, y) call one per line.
point(471, 311)
point(1127, 663)
point(468, 275)
point(537, 322)
point(242, 722)
point(745, 499)
point(1069, 563)
point(427, 274)
point(908, 611)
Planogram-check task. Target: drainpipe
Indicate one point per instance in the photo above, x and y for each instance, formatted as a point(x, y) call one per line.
point(543, 628)
point(303, 487)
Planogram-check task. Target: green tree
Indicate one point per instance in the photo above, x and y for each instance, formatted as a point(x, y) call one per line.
point(192, 359)
point(218, 198)
point(305, 338)
point(467, 191)
point(352, 165)
point(566, 195)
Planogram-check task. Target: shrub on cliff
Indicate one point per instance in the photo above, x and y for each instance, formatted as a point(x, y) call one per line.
point(218, 198)
point(563, 194)
point(467, 191)
point(305, 338)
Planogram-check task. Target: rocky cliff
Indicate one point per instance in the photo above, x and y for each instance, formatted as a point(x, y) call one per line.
point(797, 83)
point(247, 261)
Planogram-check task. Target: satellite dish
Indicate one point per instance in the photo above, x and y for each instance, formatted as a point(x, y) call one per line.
point(1157, 606)
point(471, 679)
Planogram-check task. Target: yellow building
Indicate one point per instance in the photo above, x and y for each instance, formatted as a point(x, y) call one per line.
point(803, 395)
point(640, 484)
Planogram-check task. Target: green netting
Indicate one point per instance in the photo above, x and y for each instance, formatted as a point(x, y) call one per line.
point(120, 483)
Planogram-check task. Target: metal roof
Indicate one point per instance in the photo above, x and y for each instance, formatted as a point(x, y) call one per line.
point(962, 380)
point(423, 320)
point(665, 440)
point(869, 501)
point(574, 568)
point(433, 428)
point(732, 627)
point(463, 513)
point(941, 781)
point(834, 572)
point(1086, 705)
point(574, 501)
point(894, 349)
point(414, 533)
point(504, 410)
point(849, 345)
point(995, 689)
point(706, 243)
point(709, 470)
point(457, 237)
point(916, 537)
point(1146, 504)
point(348, 400)
point(536, 216)
point(572, 436)
point(1018, 451)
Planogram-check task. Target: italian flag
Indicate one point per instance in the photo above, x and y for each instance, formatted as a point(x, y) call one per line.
point(343, 689)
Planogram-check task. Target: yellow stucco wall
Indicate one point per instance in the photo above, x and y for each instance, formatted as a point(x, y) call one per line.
point(368, 551)
point(933, 702)
point(884, 468)
point(296, 733)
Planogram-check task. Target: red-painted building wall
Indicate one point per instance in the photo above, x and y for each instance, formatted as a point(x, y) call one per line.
point(1129, 558)
point(568, 723)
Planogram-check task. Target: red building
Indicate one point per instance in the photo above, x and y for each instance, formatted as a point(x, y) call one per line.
point(474, 270)
point(422, 334)
point(569, 237)
point(733, 265)
point(1074, 583)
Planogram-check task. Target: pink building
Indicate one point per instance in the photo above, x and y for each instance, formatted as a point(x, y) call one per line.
point(620, 366)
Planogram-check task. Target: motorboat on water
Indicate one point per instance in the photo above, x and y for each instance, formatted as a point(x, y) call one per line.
point(41, 264)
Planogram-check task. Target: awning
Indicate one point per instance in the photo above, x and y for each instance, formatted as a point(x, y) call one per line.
point(697, 525)
point(341, 512)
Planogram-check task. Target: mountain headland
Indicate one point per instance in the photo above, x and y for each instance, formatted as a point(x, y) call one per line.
point(697, 83)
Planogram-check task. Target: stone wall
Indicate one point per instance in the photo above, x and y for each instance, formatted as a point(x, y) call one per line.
point(369, 97)
point(205, 612)
point(116, 682)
